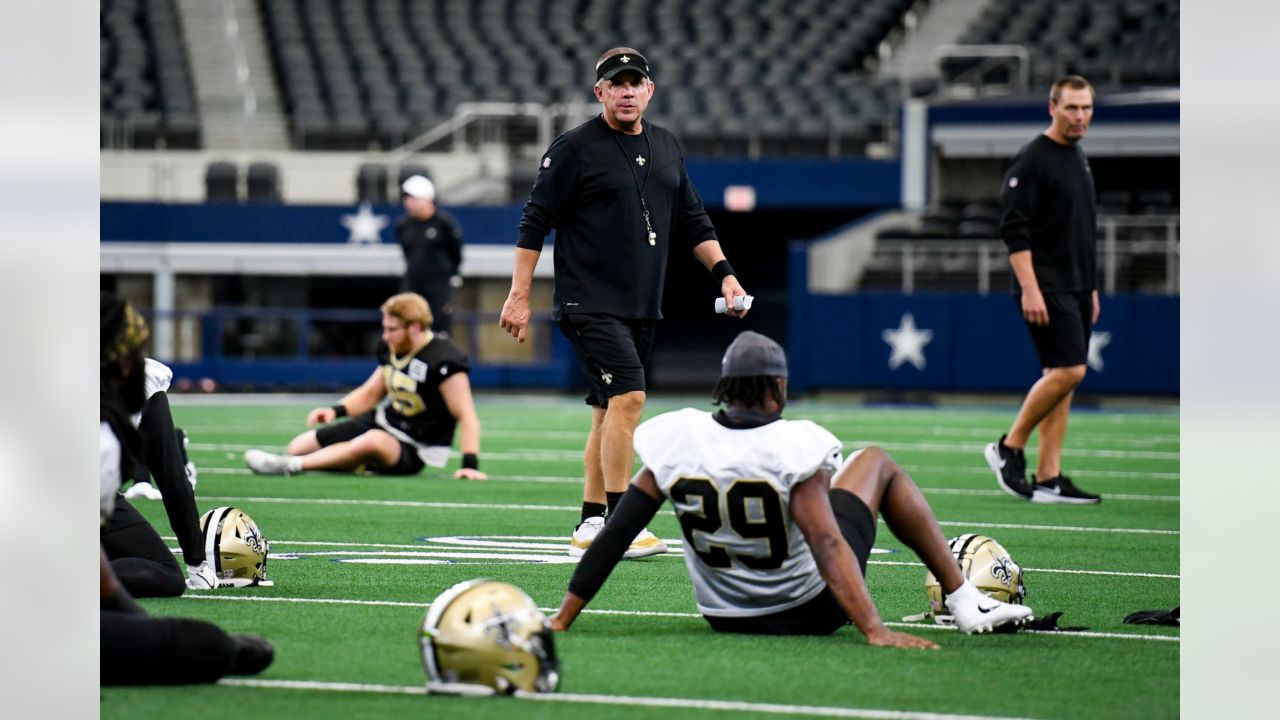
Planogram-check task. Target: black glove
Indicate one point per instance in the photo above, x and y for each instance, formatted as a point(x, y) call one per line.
point(1050, 623)
point(1154, 617)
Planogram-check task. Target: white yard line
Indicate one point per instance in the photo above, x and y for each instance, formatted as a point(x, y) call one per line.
point(553, 545)
point(220, 595)
point(574, 508)
point(733, 706)
point(568, 454)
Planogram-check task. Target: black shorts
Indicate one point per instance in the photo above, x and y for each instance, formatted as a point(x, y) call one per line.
point(1064, 342)
point(822, 615)
point(353, 427)
point(613, 352)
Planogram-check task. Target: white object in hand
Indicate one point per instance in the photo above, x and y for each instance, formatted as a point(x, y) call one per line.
point(740, 303)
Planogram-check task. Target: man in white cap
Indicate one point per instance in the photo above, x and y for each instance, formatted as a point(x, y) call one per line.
point(432, 244)
point(777, 529)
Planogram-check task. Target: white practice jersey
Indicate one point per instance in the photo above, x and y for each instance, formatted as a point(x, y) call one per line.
point(158, 377)
point(108, 471)
point(731, 490)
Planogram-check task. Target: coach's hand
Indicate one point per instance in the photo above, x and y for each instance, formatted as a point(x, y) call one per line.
point(888, 638)
point(515, 316)
point(730, 288)
point(1033, 308)
point(321, 415)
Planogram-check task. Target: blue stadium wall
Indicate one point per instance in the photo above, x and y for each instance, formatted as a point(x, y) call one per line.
point(977, 343)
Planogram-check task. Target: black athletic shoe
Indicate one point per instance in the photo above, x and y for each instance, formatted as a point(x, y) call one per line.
point(1061, 490)
point(1010, 467)
point(255, 655)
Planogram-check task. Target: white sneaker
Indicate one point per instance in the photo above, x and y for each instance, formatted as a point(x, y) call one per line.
point(201, 577)
point(975, 612)
point(264, 463)
point(645, 544)
point(584, 535)
point(143, 490)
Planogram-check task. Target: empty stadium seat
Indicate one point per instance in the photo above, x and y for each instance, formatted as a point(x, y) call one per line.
point(222, 182)
point(262, 183)
point(371, 183)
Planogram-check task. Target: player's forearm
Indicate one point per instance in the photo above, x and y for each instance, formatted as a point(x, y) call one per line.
point(1024, 271)
point(570, 608)
point(469, 434)
point(839, 568)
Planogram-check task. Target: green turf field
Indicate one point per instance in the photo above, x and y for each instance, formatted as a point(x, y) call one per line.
point(356, 561)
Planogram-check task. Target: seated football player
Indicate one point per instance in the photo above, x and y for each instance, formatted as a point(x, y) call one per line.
point(777, 529)
point(135, 648)
point(138, 556)
point(174, 478)
point(423, 379)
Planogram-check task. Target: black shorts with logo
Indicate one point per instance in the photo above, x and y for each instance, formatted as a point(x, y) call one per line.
point(1064, 342)
point(613, 352)
point(822, 615)
point(410, 463)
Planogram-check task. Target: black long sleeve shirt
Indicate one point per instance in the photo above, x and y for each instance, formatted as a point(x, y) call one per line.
point(588, 190)
point(1047, 206)
point(432, 249)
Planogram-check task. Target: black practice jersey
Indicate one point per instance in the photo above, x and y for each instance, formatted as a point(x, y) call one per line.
point(414, 405)
point(1047, 206)
point(589, 191)
point(432, 248)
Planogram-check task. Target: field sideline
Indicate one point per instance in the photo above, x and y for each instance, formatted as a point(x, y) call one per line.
point(356, 560)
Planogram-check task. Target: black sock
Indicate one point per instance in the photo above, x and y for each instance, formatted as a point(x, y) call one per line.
point(612, 499)
point(592, 509)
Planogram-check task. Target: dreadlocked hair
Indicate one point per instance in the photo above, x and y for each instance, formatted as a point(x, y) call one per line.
point(746, 391)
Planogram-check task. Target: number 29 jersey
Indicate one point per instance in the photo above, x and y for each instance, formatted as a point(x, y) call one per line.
point(731, 490)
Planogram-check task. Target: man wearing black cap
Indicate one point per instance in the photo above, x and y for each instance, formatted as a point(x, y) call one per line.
point(432, 244)
point(773, 543)
point(616, 192)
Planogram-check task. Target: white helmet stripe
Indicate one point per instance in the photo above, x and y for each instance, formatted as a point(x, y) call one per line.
point(212, 531)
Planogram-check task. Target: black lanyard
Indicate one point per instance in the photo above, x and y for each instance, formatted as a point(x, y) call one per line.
point(644, 207)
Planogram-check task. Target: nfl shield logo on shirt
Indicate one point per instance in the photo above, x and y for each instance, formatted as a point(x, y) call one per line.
point(417, 369)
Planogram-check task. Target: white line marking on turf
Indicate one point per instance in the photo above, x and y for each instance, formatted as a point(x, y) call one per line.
point(556, 544)
point(568, 454)
point(568, 480)
point(683, 703)
point(1057, 528)
point(571, 508)
point(1059, 571)
point(217, 595)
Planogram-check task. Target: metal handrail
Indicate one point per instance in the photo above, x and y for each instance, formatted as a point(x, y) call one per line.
point(467, 113)
point(990, 55)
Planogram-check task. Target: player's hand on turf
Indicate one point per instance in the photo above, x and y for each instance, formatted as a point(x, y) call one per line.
point(558, 624)
point(515, 317)
point(469, 474)
point(730, 288)
point(889, 638)
point(321, 415)
point(1033, 308)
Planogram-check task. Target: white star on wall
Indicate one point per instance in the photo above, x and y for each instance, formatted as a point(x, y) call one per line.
point(1098, 341)
point(365, 225)
point(907, 343)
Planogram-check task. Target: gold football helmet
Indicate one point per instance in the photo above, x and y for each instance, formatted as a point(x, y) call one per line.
point(482, 637)
point(985, 564)
point(235, 547)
